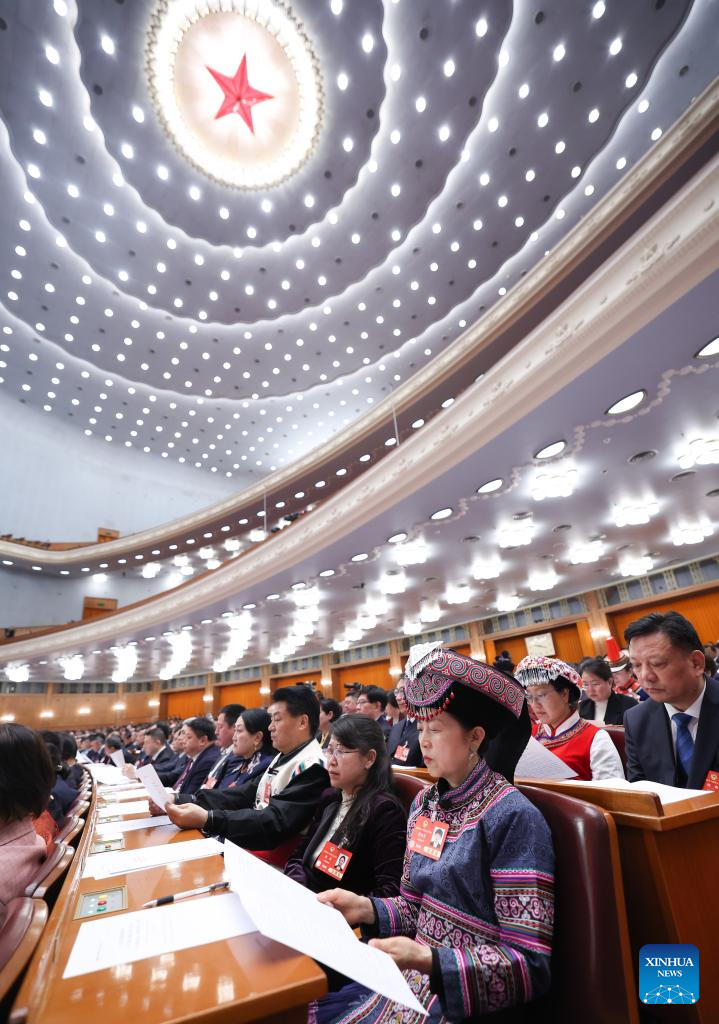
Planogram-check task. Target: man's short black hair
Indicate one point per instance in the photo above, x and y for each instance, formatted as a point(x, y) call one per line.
point(231, 712)
point(300, 700)
point(165, 728)
point(97, 736)
point(375, 695)
point(157, 734)
point(114, 741)
point(201, 727)
point(597, 666)
point(68, 746)
point(678, 630)
point(27, 773)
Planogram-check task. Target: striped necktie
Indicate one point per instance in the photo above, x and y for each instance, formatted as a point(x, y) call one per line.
point(685, 744)
point(184, 775)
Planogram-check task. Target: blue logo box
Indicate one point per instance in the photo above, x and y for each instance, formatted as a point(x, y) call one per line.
point(669, 973)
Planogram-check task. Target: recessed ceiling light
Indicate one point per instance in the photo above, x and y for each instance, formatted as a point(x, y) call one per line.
point(625, 404)
point(443, 513)
point(327, 572)
point(551, 450)
point(361, 557)
point(107, 44)
point(491, 485)
point(397, 538)
point(272, 597)
point(710, 349)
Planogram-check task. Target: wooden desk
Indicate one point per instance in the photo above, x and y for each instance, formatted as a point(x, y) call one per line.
point(669, 861)
point(248, 978)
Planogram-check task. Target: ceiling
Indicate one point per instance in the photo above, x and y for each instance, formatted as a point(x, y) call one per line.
point(234, 330)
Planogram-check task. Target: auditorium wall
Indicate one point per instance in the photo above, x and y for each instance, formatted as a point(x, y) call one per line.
point(61, 486)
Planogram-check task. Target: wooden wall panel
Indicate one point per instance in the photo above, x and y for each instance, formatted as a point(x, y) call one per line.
point(701, 609)
point(185, 703)
point(65, 708)
point(514, 644)
point(567, 643)
point(241, 693)
point(374, 673)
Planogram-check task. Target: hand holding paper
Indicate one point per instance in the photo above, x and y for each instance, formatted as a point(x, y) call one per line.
point(151, 781)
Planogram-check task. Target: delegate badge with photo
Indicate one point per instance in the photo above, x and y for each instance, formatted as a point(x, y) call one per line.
point(428, 837)
point(333, 860)
point(401, 753)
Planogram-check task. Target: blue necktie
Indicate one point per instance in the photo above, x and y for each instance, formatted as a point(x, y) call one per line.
point(685, 743)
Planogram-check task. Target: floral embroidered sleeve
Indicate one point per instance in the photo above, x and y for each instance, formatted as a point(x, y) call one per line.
point(515, 968)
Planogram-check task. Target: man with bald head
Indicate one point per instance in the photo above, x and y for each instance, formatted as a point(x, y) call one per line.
point(673, 737)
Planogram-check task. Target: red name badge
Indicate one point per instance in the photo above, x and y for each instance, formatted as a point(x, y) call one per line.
point(401, 753)
point(712, 781)
point(428, 837)
point(333, 860)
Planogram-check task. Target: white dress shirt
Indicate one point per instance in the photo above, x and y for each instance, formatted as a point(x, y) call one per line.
point(692, 710)
point(600, 710)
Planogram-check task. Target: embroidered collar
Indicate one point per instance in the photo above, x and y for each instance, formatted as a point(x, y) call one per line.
point(466, 790)
point(568, 723)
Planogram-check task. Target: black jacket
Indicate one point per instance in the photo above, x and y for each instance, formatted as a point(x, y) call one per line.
point(287, 814)
point(377, 852)
point(200, 769)
point(169, 770)
point(649, 746)
point(617, 704)
point(404, 734)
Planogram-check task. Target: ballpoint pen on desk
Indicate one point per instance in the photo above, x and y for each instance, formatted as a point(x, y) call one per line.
point(164, 900)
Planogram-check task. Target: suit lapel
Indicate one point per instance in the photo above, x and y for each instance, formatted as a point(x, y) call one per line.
point(659, 739)
point(706, 745)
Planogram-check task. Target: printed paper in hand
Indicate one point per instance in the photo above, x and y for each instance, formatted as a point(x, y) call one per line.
point(287, 912)
point(121, 862)
point(151, 782)
point(118, 758)
point(539, 763)
point(126, 938)
point(113, 827)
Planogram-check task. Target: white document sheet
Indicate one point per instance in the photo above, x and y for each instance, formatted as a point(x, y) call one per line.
point(287, 912)
point(151, 781)
point(126, 938)
point(130, 807)
point(118, 758)
point(106, 774)
point(120, 862)
point(82, 758)
point(539, 763)
point(123, 795)
point(103, 829)
point(666, 794)
point(126, 787)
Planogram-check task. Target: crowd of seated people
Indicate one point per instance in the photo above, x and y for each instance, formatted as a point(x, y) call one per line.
point(307, 785)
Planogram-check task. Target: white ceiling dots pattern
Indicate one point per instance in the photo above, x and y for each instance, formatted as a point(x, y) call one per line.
point(229, 329)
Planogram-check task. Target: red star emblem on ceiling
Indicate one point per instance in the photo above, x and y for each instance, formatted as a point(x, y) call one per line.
point(240, 97)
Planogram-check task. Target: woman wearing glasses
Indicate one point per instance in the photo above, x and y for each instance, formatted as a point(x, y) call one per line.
point(357, 836)
point(554, 688)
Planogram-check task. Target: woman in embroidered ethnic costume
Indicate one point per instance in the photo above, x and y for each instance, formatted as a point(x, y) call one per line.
point(472, 926)
point(554, 688)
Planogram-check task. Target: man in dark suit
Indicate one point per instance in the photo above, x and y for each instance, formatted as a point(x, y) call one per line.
point(202, 753)
point(602, 704)
point(372, 702)
point(403, 740)
point(673, 737)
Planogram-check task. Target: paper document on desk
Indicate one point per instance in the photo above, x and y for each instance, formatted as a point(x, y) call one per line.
point(130, 807)
point(537, 762)
point(123, 795)
point(666, 794)
point(126, 938)
point(106, 774)
point(120, 862)
point(151, 781)
point(287, 912)
point(102, 829)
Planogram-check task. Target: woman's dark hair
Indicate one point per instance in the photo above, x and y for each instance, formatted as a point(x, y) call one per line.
point(68, 746)
point(331, 707)
point(598, 667)
point(471, 708)
point(258, 720)
point(27, 773)
point(359, 732)
point(300, 700)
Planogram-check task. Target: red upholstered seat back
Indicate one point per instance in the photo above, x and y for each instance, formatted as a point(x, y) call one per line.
point(616, 734)
point(49, 876)
point(407, 787)
point(592, 969)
